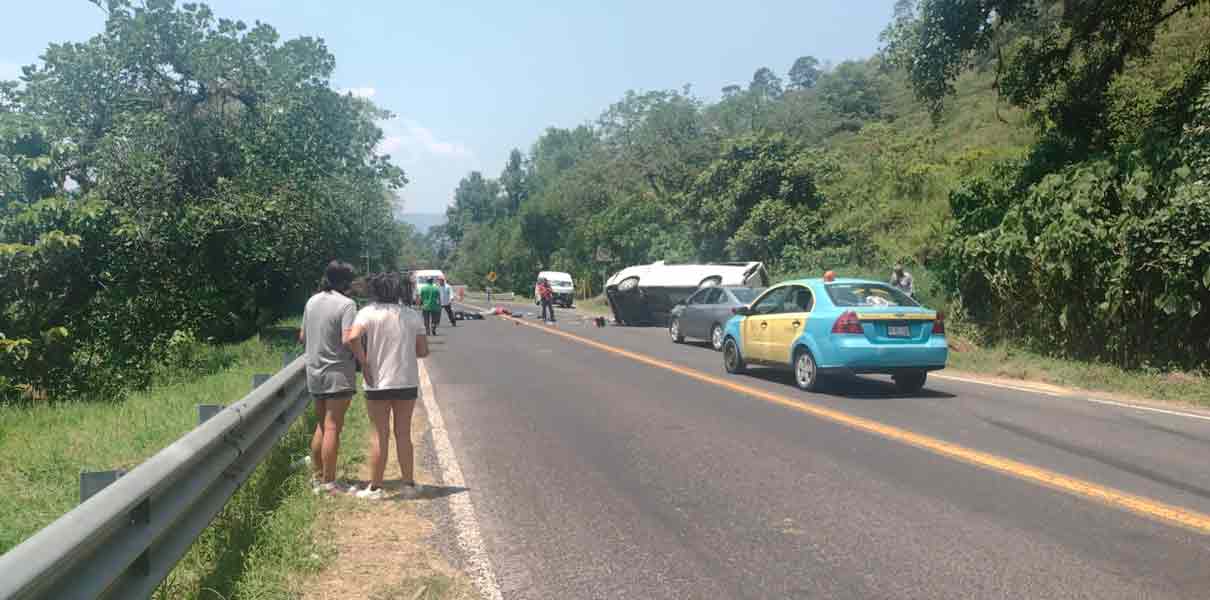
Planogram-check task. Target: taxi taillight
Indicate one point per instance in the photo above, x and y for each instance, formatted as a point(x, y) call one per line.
point(847, 323)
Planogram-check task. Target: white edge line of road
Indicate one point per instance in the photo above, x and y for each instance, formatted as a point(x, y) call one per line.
point(1022, 388)
point(470, 540)
point(1073, 395)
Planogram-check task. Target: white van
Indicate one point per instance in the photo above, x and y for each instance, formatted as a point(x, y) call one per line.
point(420, 277)
point(561, 284)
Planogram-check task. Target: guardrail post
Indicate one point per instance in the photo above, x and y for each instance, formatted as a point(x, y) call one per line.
point(92, 482)
point(259, 379)
point(205, 411)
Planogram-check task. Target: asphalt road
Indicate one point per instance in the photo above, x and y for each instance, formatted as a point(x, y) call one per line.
point(598, 475)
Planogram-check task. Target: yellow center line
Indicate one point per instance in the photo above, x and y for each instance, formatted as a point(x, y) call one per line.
point(1140, 505)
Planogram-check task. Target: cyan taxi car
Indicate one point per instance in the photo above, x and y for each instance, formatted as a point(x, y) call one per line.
point(818, 328)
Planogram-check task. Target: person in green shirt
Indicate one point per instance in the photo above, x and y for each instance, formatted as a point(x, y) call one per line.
point(430, 306)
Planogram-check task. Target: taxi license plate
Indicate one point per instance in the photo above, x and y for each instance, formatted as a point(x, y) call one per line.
point(898, 331)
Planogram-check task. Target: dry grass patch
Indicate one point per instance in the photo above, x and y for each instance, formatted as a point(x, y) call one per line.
point(383, 549)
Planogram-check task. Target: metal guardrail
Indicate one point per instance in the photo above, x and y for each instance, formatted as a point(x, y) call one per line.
point(124, 540)
point(495, 296)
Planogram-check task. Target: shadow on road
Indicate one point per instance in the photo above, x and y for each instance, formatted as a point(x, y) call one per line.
point(854, 387)
point(423, 491)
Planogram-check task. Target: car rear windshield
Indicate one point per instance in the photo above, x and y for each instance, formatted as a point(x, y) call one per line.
point(867, 294)
point(745, 295)
point(560, 282)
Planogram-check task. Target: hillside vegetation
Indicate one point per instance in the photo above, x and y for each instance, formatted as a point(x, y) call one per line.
point(1042, 168)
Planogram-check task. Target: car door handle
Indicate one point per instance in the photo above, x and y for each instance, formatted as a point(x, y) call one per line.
point(763, 324)
point(796, 323)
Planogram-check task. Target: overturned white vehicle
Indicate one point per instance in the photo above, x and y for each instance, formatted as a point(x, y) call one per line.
point(646, 294)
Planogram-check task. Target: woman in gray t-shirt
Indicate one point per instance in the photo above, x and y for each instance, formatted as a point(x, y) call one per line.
point(331, 373)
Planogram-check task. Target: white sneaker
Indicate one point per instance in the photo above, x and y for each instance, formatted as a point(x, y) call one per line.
point(331, 488)
point(372, 493)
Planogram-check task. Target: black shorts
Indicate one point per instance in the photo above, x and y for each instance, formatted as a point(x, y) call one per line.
point(395, 394)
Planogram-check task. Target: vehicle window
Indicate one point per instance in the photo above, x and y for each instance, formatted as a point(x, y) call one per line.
point(867, 294)
point(771, 303)
point(799, 299)
point(744, 295)
point(698, 297)
point(715, 296)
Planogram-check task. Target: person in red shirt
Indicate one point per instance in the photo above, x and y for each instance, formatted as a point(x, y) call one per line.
point(546, 295)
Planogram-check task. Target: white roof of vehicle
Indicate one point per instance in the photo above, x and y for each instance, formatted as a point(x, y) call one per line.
point(660, 274)
point(426, 273)
point(554, 275)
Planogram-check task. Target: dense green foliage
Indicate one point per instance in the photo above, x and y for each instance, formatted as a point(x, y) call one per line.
point(174, 178)
point(1098, 242)
point(1045, 163)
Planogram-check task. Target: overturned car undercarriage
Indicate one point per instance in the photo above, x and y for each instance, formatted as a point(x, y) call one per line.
point(646, 294)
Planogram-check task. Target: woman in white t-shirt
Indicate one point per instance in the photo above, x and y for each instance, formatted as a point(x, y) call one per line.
point(393, 341)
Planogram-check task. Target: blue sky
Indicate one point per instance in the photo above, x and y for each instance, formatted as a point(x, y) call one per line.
point(470, 80)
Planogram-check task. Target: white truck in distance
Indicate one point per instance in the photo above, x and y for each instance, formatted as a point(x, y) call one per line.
point(562, 285)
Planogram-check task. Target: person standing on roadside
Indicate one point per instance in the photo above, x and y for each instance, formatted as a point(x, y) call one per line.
point(546, 295)
point(447, 299)
point(430, 306)
point(393, 342)
point(331, 373)
point(902, 281)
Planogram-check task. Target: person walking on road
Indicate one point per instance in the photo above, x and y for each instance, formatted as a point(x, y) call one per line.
point(447, 299)
point(546, 295)
point(392, 344)
point(331, 373)
point(430, 306)
point(902, 280)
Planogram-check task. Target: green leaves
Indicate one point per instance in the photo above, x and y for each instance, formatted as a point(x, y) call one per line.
point(176, 173)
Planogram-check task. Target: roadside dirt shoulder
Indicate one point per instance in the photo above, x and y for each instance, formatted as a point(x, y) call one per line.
point(386, 550)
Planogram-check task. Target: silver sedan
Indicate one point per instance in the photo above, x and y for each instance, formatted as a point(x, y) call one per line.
point(703, 314)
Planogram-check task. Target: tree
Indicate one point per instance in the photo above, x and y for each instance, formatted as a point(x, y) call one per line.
point(177, 176)
point(659, 136)
point(514, 182)
point(750, 171)
point(855, 90)
point(805, 73)
point(474, 203)
point(766, 85)
point(1063, 72)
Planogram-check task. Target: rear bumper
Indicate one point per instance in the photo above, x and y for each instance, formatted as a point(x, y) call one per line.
point(858, 355)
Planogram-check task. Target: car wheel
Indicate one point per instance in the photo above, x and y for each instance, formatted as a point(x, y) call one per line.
point(806, 372)
point(733, 361)
point(910, 383)
point(628, 285)
point(716, 337)
point(674, 330)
